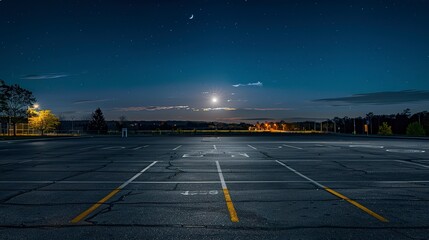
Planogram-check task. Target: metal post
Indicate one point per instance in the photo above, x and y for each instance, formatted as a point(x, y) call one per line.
point(354, 126)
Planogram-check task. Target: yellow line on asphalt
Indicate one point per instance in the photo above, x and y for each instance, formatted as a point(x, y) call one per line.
point(95, 206)
point(110, 195)
point(337, 194)
point(230, 206)
point(358, 205)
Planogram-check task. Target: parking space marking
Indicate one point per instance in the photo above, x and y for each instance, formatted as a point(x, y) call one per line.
point(365, 146)
point(137, 148)
point(229, 204)
point(86, 148)
point(289, 146)
point(251, 146)
point(202, 192)
point(214, 146)
point(110, 195)
point(413, 163)
point(405, 151)
point(204, 182)
point(174, 149)
point(337, 194)
point(113, 148)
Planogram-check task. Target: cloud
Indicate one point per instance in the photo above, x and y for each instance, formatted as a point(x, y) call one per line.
point(151, 108)
point(256, 84)
point(236, 100)
point(258, 119)
point(44, 76)
point(90, 101)
point(268, 109)
point(380, 98)
point(218, 109)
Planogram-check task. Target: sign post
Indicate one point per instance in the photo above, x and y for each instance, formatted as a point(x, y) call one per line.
point(124, 132)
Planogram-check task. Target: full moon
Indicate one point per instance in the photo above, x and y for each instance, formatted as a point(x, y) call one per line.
point(214, 100)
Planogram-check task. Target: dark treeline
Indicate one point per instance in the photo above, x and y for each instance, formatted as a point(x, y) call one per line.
point(398, 122)
point(84, 126)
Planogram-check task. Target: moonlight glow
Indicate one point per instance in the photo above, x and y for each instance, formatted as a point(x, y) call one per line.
point(214, 99)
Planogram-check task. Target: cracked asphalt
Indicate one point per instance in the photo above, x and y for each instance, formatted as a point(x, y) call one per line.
point(278, 187)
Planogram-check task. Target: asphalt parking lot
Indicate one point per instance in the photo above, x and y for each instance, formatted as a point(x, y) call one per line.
point(209, 187)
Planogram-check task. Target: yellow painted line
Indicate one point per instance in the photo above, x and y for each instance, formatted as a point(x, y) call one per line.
point(358, 205)
point(230, 206)
point(81, 216)
point(84, 214)
point(232, 213)
point(337, 194)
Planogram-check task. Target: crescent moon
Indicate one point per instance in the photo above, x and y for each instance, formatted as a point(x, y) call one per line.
point(191, 17)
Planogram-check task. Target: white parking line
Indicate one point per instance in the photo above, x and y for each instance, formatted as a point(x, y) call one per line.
point(228, 200)
point(174, 149)
point(204, 182)
point(405, 151)
point(252, 146)
point(113, 148)
point(337, 194)
point(289, 146)
point(137, 148)
point(301, 175)
point(110, 195)
point(86, 148)
point(214, 146)
point(136, 176)
point(365, 146)
point(413, 163)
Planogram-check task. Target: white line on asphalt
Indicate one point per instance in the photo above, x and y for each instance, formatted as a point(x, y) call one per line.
point(177, 147)
point(136, 176)
point(338, 195)
point(214, 146)
point(137, 148)
point(252, 146)
point(365, 146)
point(85, 148)
point(289, 146)
point(300, 174)
point(189, 155)
point(222, 180)
point(25, 161)
point(205, 182)
point(113, 148)
point(413, 163)
point(405, 150)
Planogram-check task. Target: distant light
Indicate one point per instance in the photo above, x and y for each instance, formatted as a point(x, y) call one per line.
point(36, 105)
point(214, 100)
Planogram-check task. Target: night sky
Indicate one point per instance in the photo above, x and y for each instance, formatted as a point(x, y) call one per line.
point(262, 60)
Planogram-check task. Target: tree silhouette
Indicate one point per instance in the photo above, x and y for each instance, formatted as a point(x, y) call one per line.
point(14, 102)
point(415, 129)
point(97, 122)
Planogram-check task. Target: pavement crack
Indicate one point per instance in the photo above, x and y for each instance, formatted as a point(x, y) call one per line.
point(107, 209)
point(350, 168)
point(2, 201)
point(174, 168)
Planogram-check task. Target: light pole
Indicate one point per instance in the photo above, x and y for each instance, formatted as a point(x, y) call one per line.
point(354, 126)
point(72, 118)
